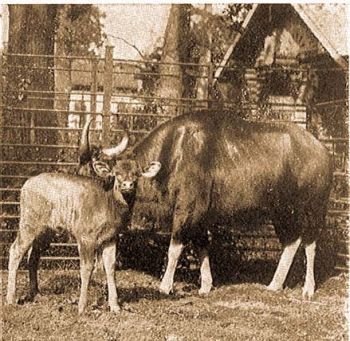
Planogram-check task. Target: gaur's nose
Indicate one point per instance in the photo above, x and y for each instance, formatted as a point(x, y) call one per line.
point(127, 185)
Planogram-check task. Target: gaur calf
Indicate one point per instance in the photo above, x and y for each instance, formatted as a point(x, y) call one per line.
point(93, 211)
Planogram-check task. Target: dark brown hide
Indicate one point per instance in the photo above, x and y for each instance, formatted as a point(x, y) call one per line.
point(215, 168)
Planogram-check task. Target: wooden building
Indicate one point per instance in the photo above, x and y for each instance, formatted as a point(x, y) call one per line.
point(295, 65)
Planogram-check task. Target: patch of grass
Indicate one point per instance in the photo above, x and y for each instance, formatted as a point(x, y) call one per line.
point(240, 311)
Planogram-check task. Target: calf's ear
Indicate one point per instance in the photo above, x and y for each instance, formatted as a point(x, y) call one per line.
point(152, 170)
point(101, 169)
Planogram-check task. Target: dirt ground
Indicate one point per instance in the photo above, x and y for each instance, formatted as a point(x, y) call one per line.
point(243, 311)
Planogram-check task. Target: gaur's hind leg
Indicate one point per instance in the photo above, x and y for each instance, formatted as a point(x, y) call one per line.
point(19, 247)
point(201, 242)
point(309, 285)
point(109, 262)
point(315, 220)
point(206, 277)
point(288, 232)
point(284, 265)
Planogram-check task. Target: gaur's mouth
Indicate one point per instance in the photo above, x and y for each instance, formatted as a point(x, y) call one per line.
point(127, 191)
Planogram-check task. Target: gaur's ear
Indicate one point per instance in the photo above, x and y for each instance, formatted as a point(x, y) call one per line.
point(101, 169)
point(152, 170)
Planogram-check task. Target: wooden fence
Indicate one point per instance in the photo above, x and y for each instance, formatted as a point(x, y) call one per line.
point(41, 120)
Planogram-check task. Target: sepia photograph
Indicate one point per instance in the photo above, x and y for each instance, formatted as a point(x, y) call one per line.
point(174, 171)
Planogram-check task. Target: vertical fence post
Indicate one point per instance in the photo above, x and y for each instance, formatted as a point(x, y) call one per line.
point(2, 88)
point(32, 130)
point(210, 85)
point(107, 95)
point(94, 66)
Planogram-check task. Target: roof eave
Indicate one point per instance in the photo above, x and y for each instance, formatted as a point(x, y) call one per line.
point(234, 43)
point(339, 59)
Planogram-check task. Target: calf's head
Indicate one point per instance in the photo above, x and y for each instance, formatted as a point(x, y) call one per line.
point(107, 164)
point(125, 173)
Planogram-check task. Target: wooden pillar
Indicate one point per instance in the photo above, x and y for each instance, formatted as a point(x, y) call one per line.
point(210, 84)
point(251, 80)
point(93, 90)
point(107, 95)
point(205, 60)
point(2, 88)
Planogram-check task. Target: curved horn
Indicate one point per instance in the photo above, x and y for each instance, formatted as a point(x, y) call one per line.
point(84, 140)
point(114, 151)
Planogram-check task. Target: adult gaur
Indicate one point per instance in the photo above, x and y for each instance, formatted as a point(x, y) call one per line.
point(217, 169)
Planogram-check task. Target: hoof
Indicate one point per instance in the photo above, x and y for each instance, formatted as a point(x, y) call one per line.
point(10, 301)
point(166, 290)
point(115, 309)
point(308, 294)
point(81, 311)
point(204, 291)
point(273, 287)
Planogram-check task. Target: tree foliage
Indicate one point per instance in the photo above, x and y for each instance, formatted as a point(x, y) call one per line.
point(79, 29)
point(235, 15)
point(221, 26)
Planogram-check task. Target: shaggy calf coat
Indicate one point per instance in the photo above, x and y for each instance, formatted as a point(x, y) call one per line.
point(80, 205)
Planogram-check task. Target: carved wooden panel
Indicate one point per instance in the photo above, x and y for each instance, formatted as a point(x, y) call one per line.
point(297, 38)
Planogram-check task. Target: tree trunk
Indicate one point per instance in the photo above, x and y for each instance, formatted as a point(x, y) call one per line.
point(63, 87)
point(171, 87)
point(205, 58)
point(31, 31)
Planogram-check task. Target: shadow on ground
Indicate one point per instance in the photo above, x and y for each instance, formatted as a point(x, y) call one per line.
point(69, 283)
point(147, 252)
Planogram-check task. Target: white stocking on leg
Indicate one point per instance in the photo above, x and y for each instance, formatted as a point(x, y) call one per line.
point(174, 252)
point(284, 265)
point(206, 277)
point(309, 286)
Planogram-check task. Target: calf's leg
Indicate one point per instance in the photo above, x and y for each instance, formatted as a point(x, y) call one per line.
point(33, 264)
point(108, 255)
point(87, 257)
point(17, 250)
point(40, 244)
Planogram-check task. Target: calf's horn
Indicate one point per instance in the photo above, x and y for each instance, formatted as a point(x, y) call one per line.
point(84, 140)
point(114, 151)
